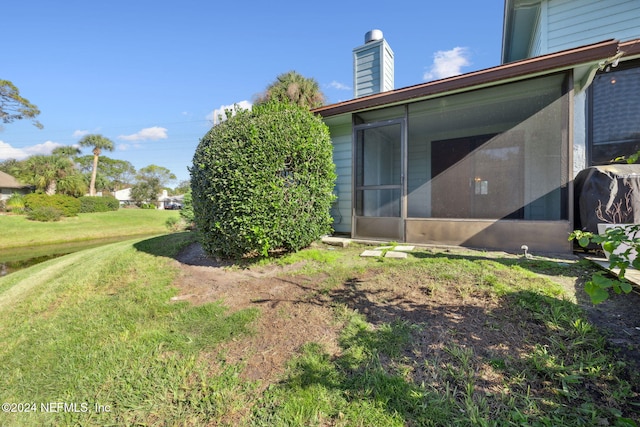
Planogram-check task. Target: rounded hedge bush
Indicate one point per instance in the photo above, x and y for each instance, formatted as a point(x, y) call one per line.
point(263, 180)
point(98, 204)
point(67, 205)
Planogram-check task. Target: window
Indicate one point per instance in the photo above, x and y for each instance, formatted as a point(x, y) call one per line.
point(614, 119)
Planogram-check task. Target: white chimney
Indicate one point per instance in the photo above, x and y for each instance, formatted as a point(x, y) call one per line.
point(372, 66)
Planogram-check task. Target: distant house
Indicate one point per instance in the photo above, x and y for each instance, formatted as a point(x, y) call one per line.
point(123, 196)
point(164, 200)
point(9, 185)
point(487, 159)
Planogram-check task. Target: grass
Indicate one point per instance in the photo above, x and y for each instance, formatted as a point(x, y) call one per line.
point(437, 339)
point(18, 231)
point(375, 382)
point(97, 328)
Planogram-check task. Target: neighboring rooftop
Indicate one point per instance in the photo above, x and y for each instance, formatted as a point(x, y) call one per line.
point(8, 181)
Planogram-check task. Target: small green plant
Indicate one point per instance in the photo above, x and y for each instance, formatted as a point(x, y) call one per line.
point(44, 214)
point(186, 212)
point(175, 224)
point(15, 203)
point(622, 244)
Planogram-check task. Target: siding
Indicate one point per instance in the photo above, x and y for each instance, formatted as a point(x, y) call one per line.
point(388, 82)
point(572, 23)
point(372, 69)
point(342, 157)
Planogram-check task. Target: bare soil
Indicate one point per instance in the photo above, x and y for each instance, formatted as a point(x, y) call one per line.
point(295, 310)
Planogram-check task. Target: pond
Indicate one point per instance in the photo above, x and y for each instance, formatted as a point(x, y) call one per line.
point(14, 259)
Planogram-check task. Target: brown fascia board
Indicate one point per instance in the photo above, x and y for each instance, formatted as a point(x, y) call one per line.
point(630, 48)
point(531, 66)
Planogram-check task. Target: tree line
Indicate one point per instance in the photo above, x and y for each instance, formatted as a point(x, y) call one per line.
point(66, 171)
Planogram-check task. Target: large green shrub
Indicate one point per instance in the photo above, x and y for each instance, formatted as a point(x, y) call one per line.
point(67, 205)
point(262, 180)
point(98, 204)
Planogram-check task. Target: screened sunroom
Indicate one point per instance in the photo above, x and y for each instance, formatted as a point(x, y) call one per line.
point(482, 160)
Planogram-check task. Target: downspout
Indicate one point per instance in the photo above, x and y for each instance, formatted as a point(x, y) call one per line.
point(604, 65)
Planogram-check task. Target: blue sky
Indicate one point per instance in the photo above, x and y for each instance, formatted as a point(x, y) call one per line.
point(150, 75)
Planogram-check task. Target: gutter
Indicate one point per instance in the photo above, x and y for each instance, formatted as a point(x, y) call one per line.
point(530, 67)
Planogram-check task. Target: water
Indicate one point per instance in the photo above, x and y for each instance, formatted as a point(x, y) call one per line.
point(15, 259)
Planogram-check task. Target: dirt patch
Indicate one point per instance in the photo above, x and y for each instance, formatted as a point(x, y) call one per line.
point(290, 315)
point(294, 311)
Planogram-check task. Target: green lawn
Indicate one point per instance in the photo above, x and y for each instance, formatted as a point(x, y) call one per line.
point(17, 231)
point(98, 327)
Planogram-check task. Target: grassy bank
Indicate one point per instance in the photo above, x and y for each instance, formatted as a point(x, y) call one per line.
point(95, 329)
point(437, 339)
point(17, 231)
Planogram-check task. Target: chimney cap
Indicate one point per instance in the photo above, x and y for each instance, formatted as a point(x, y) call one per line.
point(373, 36)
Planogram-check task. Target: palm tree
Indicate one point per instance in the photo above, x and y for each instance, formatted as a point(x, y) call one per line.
point(51, 173)
point(70, 180)
point(295, 88)
point(67, 151)
point(99, 143)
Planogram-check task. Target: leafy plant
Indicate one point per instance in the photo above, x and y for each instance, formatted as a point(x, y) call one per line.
point(15, 203)
point(174, 223)
point(622, 244)
point(186, 212)
point(262, 180)
point(44, 214)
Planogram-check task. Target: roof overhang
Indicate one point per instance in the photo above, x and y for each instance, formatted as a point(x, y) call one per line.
point(526, 68)
point(522, 15)
point(631, 49)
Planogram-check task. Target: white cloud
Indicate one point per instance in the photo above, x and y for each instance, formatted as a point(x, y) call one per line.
point(447, 63)
point(337, 85)
point(218, 115)
point(9, 152)
point(147, 134)
point(125, 147)
point(80, 133)
point(44, 148)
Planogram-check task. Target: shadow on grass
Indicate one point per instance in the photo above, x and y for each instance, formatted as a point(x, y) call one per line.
point(617, 318)
point(167, 245)
point(456, 362)
point(184, 247)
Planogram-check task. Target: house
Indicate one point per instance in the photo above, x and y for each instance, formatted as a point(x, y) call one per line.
point(487, 159)
point(164, 201)
point(9, 185)
point(123, 196)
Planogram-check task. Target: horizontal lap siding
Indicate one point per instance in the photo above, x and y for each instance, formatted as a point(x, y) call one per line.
point(367, 70)
point(573, 23)
point(342, 157)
